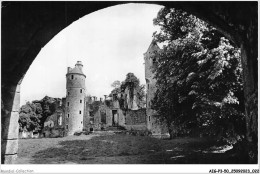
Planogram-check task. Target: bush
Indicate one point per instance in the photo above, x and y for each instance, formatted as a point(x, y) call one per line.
point(78, 133)
point(84, 132)
point(139, 132)
point(121, 128)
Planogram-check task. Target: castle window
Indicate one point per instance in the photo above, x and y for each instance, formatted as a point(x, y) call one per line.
point(80, 101)
point(149, 118)
point(68, 115)
point(103, 116)
point(114, 97)
point(91, 120)
point(79, 112)
point(68, 93)
point(60, 120)
point(81, 122)
point(68, 103)
point(72, 76)
point(67, 126)
point(80, 90)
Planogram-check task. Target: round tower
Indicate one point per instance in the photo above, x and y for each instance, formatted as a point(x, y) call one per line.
point(75, 99)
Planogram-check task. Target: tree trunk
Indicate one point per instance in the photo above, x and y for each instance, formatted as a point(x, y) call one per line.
point(170, 132)
point(249, 64)
point(169, 129)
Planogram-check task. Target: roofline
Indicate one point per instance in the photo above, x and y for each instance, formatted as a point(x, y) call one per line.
point(76, 73)
point(152, 43)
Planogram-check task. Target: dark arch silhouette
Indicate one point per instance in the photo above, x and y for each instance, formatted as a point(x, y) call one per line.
point(29, 26)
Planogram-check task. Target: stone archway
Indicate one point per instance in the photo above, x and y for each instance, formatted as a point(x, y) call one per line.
point(29, 26)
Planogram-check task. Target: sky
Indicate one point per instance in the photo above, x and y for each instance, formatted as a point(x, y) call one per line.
point(109, 42)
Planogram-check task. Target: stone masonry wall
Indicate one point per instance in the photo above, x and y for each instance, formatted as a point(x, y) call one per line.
point(97, 124)
point(75, 103)
point(136, 119)
point(153, 124)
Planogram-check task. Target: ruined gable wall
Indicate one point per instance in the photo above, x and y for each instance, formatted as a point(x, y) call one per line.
point(121, 118)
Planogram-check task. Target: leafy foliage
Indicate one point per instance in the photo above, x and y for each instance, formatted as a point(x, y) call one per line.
point(116, 84)
point(198, 73)
point(94, 106)
point(132, 83)
point(28, 117)
point(33, 114)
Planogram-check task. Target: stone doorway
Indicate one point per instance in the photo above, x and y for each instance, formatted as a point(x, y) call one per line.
point(114, 118)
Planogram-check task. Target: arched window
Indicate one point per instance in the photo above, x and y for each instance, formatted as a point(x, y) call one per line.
point(80, 90)
point(79, 112)
point(60, 120)
point(72, 77)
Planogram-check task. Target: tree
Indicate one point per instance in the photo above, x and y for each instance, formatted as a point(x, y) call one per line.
point(198, 75)
point(28, 119)
point(116, 84)
point(132, 83)
point(33, 114)
point(117, 88)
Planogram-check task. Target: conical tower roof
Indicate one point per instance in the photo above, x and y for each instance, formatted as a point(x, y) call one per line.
point(77, 69)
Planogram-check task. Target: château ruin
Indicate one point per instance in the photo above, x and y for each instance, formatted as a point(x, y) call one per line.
point(79, 112)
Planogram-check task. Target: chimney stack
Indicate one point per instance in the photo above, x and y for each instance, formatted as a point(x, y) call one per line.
point(69, 69)
point(79, 65)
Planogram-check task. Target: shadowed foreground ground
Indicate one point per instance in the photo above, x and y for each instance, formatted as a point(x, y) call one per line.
point(120, 149)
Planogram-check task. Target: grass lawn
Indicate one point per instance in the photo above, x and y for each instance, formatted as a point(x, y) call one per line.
point(119, 149)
